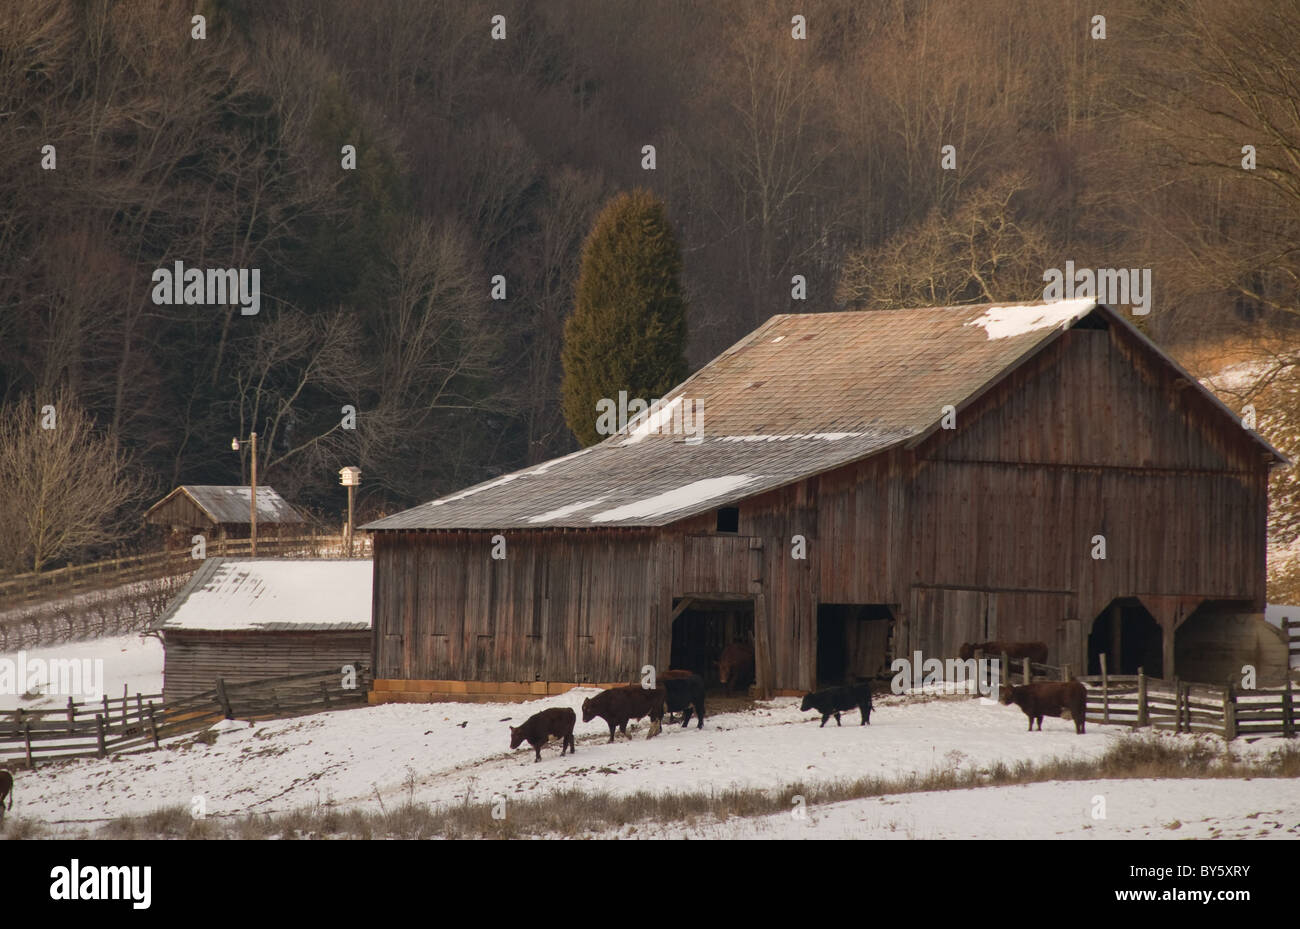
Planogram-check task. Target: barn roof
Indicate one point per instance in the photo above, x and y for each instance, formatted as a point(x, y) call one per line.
point(802, 394)
point(273, 595)
point(229, 503)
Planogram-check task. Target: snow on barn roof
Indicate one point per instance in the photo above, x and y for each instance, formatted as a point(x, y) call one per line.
point(275, 595)
point(802, 394)
point(229, 503)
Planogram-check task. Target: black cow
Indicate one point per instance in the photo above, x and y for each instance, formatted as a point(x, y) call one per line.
point(683, 695)
point(834, 700)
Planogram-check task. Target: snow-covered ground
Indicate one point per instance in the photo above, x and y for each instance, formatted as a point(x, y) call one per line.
point(443, 753)
point(1133, 809)
point(131, 660)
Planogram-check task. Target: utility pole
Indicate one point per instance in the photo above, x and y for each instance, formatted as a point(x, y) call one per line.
point(252, 497)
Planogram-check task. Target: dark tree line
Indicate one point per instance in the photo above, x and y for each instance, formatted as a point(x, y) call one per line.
point(775, 156)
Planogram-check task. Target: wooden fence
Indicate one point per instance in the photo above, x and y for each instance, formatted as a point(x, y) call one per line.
point(1291, 629)
point(1182, 706)
point(1179, 706)
point(140, 722)
point(22, 589)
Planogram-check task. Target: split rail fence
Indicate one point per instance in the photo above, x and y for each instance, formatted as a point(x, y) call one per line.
point(1179, 706)
point(21, 589)
point(141, 722)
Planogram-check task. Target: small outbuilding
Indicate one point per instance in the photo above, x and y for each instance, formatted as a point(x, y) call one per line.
point(247, 620)
point(221, 512)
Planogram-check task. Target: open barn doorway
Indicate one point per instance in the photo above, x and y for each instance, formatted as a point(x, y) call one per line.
point(1129, 636)
point(704, 628)
point(854, 640)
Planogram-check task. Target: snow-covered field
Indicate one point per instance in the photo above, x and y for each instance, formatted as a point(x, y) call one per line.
point(1134, 809)
point(131, 660)
point(443, 753)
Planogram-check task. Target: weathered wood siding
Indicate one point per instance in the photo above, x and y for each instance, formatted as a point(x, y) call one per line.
point(567, 606)
point(193, 660)
point(180, 512)
point(976, 533)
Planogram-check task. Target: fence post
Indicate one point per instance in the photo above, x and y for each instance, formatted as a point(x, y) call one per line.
point(1288, 711)
point(72, 716)
point(107, 716)
point(124, 692)
point(1025, 665)
point(1143, 719)
point(325, 693)
point(153, 725)
point(99, 725)
point(1105, 690)
point(18, 721)
point(27, 738)
point(1229, 712)
point(223, 699)
point(275, 701)
point(1005, 668)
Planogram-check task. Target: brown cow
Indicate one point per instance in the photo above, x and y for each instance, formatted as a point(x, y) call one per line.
point(6, 790)
point(736, 665)
point(1034, 651)
point(539, 727)
point(1068, 699)
point(619, 704)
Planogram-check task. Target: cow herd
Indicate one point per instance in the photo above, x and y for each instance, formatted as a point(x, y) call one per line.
point(678, 691)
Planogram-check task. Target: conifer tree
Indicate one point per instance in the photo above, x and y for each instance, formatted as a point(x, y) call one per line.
point(628, 328)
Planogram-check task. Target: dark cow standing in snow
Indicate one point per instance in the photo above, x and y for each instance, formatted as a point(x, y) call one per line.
point(619, 704)
point(684, 694)
point(557, 721)
point(6, 790)
point(674, 674)
point(834, 700)
point(736, 666)
point(1034, 651)
point(1068, 698)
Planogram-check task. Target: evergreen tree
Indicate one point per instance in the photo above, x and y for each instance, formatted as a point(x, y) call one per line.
point(628, 328)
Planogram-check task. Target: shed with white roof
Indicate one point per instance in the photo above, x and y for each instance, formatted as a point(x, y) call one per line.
point(248, 620)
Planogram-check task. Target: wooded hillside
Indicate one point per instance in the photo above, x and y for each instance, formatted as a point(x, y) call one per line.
point(776, 156)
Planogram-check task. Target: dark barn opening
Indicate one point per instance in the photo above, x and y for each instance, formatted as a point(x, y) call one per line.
point(704, 629)
point(1129, 636)
point(853, 641)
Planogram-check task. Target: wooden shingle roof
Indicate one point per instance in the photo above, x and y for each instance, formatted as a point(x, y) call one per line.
point(800, 395)
point(229, 504)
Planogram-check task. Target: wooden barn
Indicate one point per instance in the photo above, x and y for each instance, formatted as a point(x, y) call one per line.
point(867, 485)
point(220, 512)
point(250, 620)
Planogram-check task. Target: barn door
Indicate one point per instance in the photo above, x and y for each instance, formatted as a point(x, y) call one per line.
point(391, 660)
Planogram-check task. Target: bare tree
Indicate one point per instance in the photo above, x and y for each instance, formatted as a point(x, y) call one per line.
point(63, 483)
point(984, 252)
